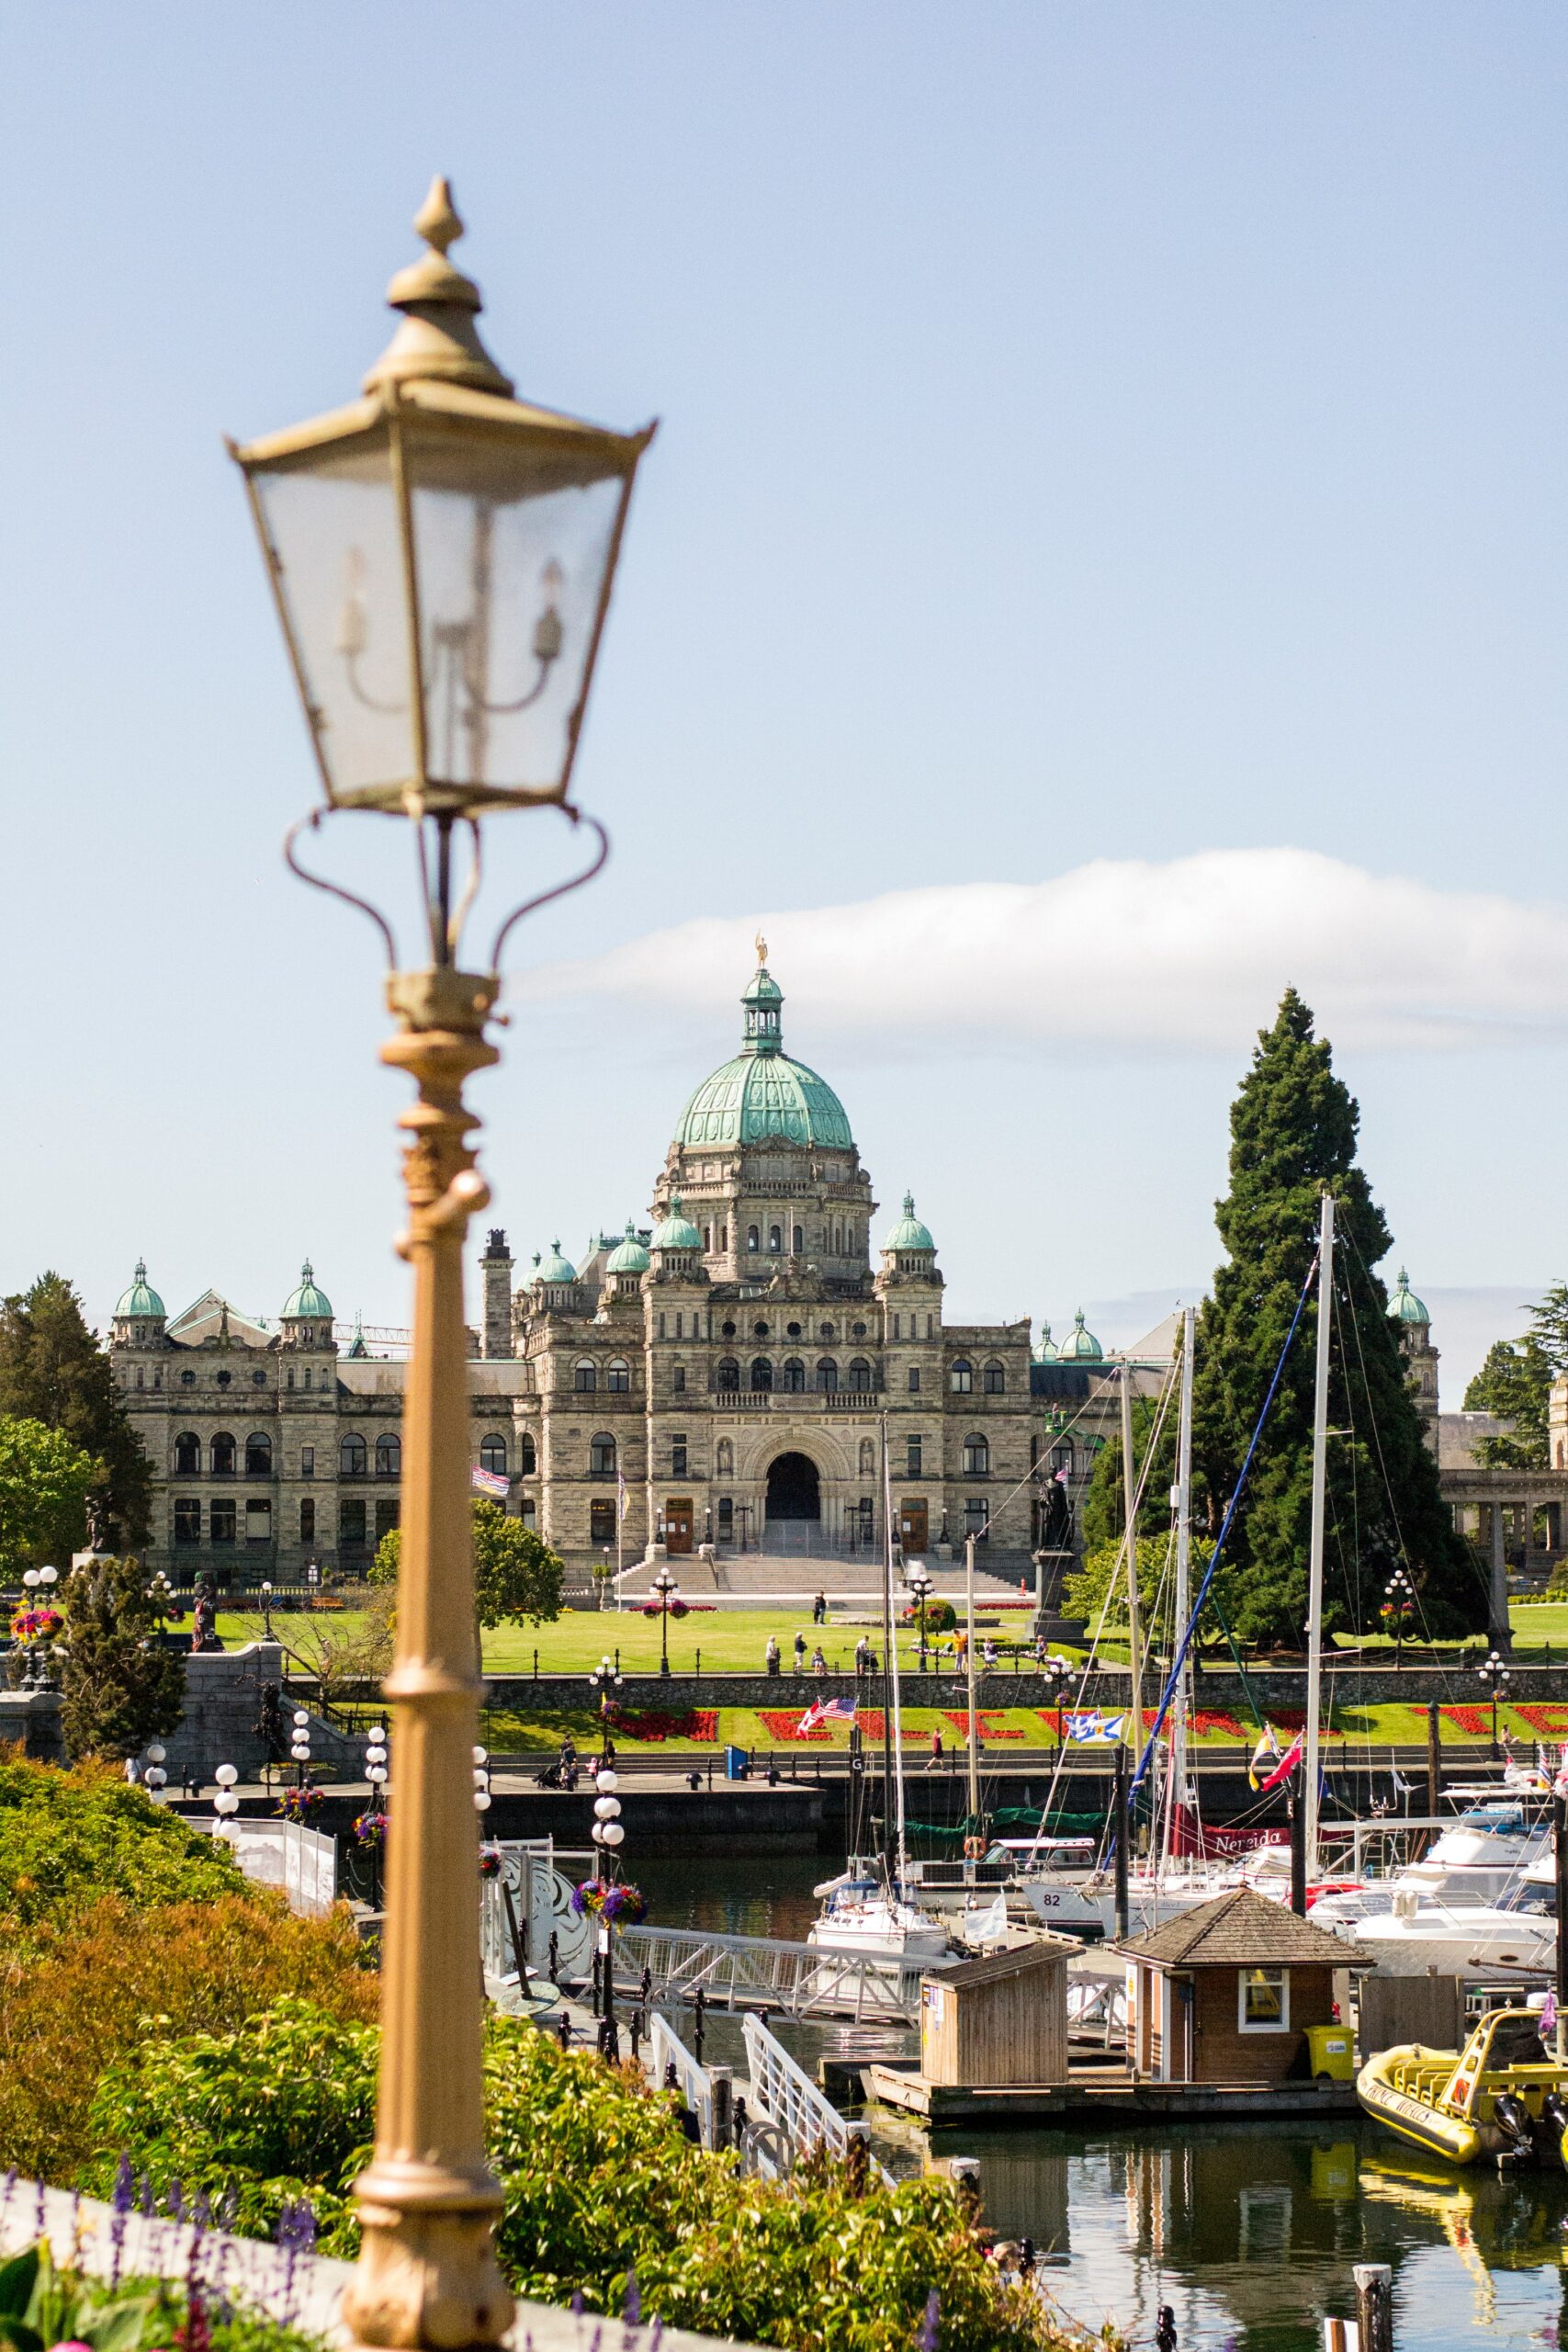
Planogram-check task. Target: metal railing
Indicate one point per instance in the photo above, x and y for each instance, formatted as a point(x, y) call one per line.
point(666, 2050)
point(783, 2094)
point(541, 1904)
point(755, 1973)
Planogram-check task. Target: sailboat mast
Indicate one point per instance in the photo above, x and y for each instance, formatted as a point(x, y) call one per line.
point(1314, 1554)
point(1183, 1499)
point(1134, 1614)
point(900, 1847)
point(889, 1830)
point(969, 1673)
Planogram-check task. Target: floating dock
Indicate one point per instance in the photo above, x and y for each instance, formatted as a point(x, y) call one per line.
point(1102, 2095)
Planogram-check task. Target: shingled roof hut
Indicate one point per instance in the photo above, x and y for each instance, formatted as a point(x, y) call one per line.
point(1225, 1993)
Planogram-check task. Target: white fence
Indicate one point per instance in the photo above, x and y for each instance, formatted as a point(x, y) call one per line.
point(783, 2094)
point(756, 1972)
point(541, 1906)
point(301, 1863)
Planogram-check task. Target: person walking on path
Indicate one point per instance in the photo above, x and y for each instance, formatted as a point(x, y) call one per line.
point(935, 1763)
point(800, 1653)
point(863, 1653)
point(771, 1654)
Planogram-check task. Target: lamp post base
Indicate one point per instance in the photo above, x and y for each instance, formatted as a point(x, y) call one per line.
point(426, 2277)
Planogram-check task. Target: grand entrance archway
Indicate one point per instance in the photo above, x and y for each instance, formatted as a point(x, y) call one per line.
point(794, 1490)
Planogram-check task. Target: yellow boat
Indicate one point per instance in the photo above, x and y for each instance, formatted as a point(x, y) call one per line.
point(1503, 2095)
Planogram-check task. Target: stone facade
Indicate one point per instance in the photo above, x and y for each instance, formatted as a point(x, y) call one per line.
point(726, 1374)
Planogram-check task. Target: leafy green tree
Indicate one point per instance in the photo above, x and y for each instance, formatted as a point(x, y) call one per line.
point(44, 1484)
point(517, 1577)
point(1102, 1583)
point(52, 1369)
point(1294, 1132)
point(121, 1688)
point(1515, 1383)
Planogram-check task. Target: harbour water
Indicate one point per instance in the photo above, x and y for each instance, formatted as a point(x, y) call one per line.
point(1249, 2232)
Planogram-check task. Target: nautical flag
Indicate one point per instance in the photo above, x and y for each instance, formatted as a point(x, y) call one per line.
point(491, 1482)
point(1287, 1763)
point(833, 1711)
point(1267, 1752)
point(1097, 1730)
point(1549, 2013)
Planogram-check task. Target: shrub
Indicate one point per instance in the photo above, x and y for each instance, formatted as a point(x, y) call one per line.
point(68, 1839)
point(42, 2302)
point(77, 2000)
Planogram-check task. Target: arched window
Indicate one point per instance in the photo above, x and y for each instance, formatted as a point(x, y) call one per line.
point(388, 1456)
point(753, 1237)
point(618, 1378)
point(762, 1373)
point(187, 1380)
point(223, 1452)
point(860, 1376)
point(530, 1453)
point(827, 1373)
point(1062, 1456)
point(726, 1375)
point(724, 1458)
point(976, 1457)
point(800, 1241)
point(996, 1379)
point(492, 1455)
point(775, 1239)
point(961, 1379)
point(350, 1457)
point(602, 1457)
point(187, 1455)
point(867, 1458)
point(258, 1455)
point(585, 1376)
point(708, 1237)
point(794, 1375)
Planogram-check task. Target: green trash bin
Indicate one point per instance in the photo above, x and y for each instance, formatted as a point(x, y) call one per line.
point(1331, 2050)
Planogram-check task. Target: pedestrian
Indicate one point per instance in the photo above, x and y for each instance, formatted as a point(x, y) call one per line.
point(133, 1770)
point(988, 1653)
point(935, 1764)
point(771, 1654)
point(819, 1610)
point(960, 1648)
point(800, 1653)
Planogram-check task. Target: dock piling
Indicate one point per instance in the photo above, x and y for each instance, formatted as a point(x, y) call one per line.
point(1374, 2306)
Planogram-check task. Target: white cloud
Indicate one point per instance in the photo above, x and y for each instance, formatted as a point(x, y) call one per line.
point(1185, 957)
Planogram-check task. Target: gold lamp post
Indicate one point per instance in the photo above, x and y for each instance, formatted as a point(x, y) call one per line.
point(442, 556)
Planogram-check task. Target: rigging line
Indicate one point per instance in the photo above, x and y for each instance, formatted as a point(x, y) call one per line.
point(1185, 1643)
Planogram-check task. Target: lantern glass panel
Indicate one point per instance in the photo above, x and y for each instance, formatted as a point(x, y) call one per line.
point(334, 527)
point(512, 537)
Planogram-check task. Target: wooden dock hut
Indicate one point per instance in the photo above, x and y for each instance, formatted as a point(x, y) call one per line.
point(1002, 2022)
point(1226, 1993)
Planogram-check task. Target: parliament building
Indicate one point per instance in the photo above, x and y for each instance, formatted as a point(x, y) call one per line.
point(729, 1373)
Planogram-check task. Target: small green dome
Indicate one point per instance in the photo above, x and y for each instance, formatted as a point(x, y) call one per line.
point(1404, 1306)
point(139, 1299)
point(628, 1256)
point(1046, 1351)
point(762, 1091)
point(308, 1300)
point(675, 1231)
point(555, 1267)
point(910, 1233)
point(1080, 1346)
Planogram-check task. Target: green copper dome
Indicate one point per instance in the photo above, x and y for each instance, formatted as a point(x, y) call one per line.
point(139, 1299)
point(761, 1092)
point(1404, 1306)
point(1046, 1351)
point(629, 1256)
point(1080, 1346)
point(675, 1231)
point(308, 1299)
point(910, 1233)
point(555, 1267)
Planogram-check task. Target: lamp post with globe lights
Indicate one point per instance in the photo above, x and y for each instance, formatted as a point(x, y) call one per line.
point(1494, 1673)
point(441, 556)
point(1399, 1603)
point(608, 1834)
point(153, 1776)
point(226, 1803)
point(38, 1585)
point(267, 1608)
point(666, 1591)
point(1055, 1672)
point(299, 1747)
point(922, 1585)
point(603, 1679)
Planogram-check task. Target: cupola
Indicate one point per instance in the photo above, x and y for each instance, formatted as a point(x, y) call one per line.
point(139, 1314)
point(1404, 1308)
point(308, 1311)
point(1080, 1346)
point(1046, 1351)
point(628, 1256)
point(676, 1236)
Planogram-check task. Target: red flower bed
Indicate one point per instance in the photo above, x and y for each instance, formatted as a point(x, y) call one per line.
point(782, 1727)
point(1552, 1723)
point(1477, 1721)
point(653, 1723)
point(1201, 1720)
point(990, 1726)
point(871, 1724)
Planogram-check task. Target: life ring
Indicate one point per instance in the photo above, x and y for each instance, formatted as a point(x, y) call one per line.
point(974, 1849)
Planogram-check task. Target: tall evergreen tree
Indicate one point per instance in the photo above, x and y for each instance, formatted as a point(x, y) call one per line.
point(119, 1686)
point(53, 1370)
point(1294, 1132)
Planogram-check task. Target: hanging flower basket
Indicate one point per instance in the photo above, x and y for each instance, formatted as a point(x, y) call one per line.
point(35, 1624)
point(371, 1829)
point(489, 1861)
point(299, 1805)
point(619, 1905)
point(676, 1609)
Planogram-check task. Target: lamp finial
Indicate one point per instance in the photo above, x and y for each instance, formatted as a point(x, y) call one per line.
point(437, 340)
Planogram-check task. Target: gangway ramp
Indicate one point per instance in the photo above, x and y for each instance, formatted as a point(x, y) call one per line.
point(758, 1973)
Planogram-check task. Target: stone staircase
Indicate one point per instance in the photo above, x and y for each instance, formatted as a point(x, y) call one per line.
point(761, 1576)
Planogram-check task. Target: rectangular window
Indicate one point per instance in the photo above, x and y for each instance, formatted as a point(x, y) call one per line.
point(929, 1326)
point(1263, 2000)
point(138, 1375)
point(662, 1327)
point(220, 1522)
point(912, 1468)
point(975, 1517)
point(526, 1510)
point(308, 1522)
point(601, 1522)
point(386, 1517)
point(677, 1457)
point(187, 1523)
point(725, 1515)
point(914, 1380)
point(351, 1522)
point(307, 1462)
point(895, 1327)
point(679, 1380)
point(258, 1522)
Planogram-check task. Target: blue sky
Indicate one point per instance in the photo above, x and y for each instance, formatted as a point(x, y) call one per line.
point(1096, 438)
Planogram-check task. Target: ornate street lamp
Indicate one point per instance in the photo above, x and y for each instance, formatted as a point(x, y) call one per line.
point(299, 1748)
point(1399, 1602)
point(603, 1679)
point(1494, 1672)
point(267, 1608)
point(153, 1776)
point(667, 1590)
point(1055, 1672)
point(922, 1585)
point(608, 1832)
point(226, 1805)
point(442, 556)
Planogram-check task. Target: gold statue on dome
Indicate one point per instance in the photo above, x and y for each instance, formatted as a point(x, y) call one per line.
point(761, 944)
